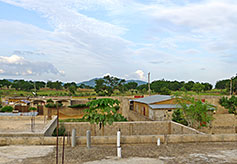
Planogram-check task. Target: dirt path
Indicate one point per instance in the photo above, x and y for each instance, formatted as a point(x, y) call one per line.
point(171, 154)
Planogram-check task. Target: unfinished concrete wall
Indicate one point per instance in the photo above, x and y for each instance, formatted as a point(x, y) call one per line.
point(101, 140)
point(131, 128)
point(222, 124)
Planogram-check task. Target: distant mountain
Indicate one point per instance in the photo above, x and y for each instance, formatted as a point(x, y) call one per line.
point(11, 80)
point(92, 82)
point(139, 82)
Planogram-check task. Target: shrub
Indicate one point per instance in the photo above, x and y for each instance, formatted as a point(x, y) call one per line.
point(49, 101)
point(61, 131)
point(52, 105)
point(7, 109)
point(178, 117)
point(32, 109)
point(165, 91)
point(230, 104)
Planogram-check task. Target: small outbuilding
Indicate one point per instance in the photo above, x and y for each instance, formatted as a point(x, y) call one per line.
point(156, 107)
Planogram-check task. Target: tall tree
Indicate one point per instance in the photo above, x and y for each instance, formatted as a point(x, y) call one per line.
point(195, 112)
point(197, 87)
point(103, 111)
point(130, 85)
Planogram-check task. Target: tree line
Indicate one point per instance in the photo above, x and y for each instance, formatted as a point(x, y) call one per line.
point(109, 85)
point(37, 85)
point(227, 84)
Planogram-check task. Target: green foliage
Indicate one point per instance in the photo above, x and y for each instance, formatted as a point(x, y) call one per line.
point(22, 85)
point(52, 105)
point(78, 106)
point(165, 91)
point(130, 85)
point(197, 87)
point(221, 84)
point(5, 83)
point(229, 103)
point(225, 84)
point(32, 109)
point(195, 112)
point(39, 84)
point(7, 109)
point(49, 101)
point(178, 116)
point(72, 89)
point(73, 120)
point(108, 84)
point(61, 131)
point(102, 112)
point(55, 85)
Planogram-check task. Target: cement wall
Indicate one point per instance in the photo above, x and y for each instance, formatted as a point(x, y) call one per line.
point(222, 124)
point(131, 128)
point(100, 140)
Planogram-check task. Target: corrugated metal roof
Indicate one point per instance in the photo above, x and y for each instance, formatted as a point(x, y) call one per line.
point(164, 106)
point(153, 99)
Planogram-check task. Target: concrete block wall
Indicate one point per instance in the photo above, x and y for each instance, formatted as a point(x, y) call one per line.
point(102, 140)
point(130, 128)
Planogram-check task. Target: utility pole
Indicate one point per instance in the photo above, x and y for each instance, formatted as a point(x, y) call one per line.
point(149, 87)
point(230, 86)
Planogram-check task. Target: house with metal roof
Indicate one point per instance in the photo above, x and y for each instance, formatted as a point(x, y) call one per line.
point(156, 107)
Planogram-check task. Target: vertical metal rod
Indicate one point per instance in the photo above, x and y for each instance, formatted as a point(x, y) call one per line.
point(57, 135)
point(63, 148)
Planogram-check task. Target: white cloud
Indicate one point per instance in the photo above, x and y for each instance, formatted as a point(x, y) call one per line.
point(140, 74)
point(17, 65)
point(107, 74)
point(214, 20)
point(1, 71)
point(14, 59)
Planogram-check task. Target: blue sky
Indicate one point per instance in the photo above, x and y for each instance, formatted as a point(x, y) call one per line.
point(76, 40)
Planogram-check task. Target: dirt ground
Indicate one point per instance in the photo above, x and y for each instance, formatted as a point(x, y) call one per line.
point(172, 154)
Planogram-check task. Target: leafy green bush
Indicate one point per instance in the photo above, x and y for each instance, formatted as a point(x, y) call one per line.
point(32, 109)
point(178, 117)
point(230, 104)
point(52, 105)
point(49, 101)
point(61, 131)
point(7, 109)
point(165, 91)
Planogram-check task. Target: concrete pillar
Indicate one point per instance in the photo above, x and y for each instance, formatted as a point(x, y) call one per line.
point(73, 137)
point(119, 153)
point(88, 139)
